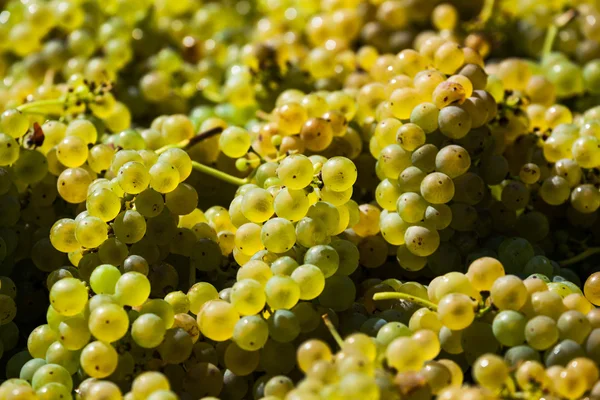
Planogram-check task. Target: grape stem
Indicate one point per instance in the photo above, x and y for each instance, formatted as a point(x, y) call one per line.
point(40, 103)
point(580, 257)
point(559, 22)
point(190, 142)
point(332, 330)
point(486, 11)
point(406, 297)
point(482, 311)
point(225, 177)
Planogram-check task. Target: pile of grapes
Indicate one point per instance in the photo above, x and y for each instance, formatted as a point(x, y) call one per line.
point(299, 200)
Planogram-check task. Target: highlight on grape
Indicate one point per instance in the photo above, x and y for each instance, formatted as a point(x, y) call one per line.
point(299, 200)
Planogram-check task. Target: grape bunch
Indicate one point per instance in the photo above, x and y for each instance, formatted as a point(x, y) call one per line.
point(383, 200)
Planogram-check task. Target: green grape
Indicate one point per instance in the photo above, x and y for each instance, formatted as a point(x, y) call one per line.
point(73, 184)
point(278, 235)
point(30, 367)
point(104, 204)
point(72, 151)
point(48, 373)
point(410, 136)
point(74, 333)
point(404, 354)
point(83, 129)
point(148, 330)
point(456, 311)
point(452, 160)
point(449, 92)
point(206, 255)
point(112, 251)
point(62, 235)
point(251, 333)
point(339, 293)
point(424, 158)
point(437, 188)
point(278, 386)
point(217, 320)
point(176, 346)
point(202, 230)
point(284, 266)
point(295, 171)
point(60, 355)
point(161, 308)
point(409, 261)
point(9, 150)
point(284, 326)
point(31, 167)
point(310, 279)
point(178, 300)
point(519, 354)
point(91, 232)
point(410, 179)
point(14, 123)
point(325, 212)
point(149, 203)
point(514, 253)
point(108, 322)
point(509, 328)
point(129, 226)
point(164, 177)
point(508, 293)
point(454, 122)
point(425, 115)
point(199, 294)
point(555, 190)
point(104, 278)
point(411, 207)
point(247, 297)
point(39, 340)
point(573, 325)
point(291, 204)
point(132, 289)
point(324, 257)
point(282, 292)
point(257, 205)
point(180, 160)
point(490, 372)
point(541, 332)
point(393, 159)
point(133, 177)
point(311, 232)
point(99, 359)
point(387, 193)
point(177, 128)
point(421, 240)
point(234, 142)
point(539, 265)
point(255, 269)
point(339, 174)
point(183, 200)
point(585, 198)
point(69, 296)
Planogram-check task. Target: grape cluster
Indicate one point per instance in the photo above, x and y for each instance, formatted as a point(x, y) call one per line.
point(297, 200)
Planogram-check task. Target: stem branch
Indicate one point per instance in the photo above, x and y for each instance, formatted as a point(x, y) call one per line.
point(406, 297)
point(218, 174)
point(580, 257)
point(40, 103)
point(332, 330)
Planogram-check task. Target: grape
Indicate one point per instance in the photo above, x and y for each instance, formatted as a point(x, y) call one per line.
point(324, 257)
point(425, 115)
point(62, 235)
point(310, 280)
point(91, 232)
point(282, 292)
point(508, 293)
point(541, 332)
point(454, 122)
point(49, 373)
point(217, 320)
point(421, 241)
point(278, 235)
point(490, 371)
point(437, 188)
point(251, 333)
point(509, 328)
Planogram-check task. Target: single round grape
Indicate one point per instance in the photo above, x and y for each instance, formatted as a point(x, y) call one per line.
point(251, 333)
point(310, 279)
point(403, 354)
point(490, 371)
point(132, 289)
point(164, 177)
point(452, 160)
point(234, 142)
point(278, 235)
point(217, 320)
point(555, 190)
point(99, 359)
point(411, 207)
point(454, 122)
point(69, 296)
point(62, 235)
point(456, 311)
point(509, 328)
point(437, 188)
point(421, 241)
point(339, 174)
point(73, 184)
point(295, 171)
point(508, 293)
point(282, 292)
